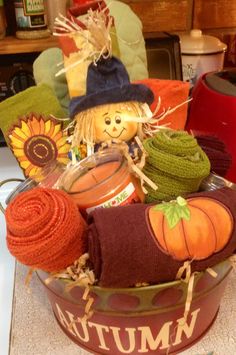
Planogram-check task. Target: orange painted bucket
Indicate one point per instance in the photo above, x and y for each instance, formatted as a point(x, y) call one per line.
point(139, 320)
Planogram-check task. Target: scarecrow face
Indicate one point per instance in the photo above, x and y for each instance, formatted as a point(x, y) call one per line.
point(112, 122)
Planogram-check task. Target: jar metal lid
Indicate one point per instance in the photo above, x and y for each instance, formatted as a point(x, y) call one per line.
point(197, 43)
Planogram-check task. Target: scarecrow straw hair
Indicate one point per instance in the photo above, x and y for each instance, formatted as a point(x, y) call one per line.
point(152, 126)
point(80, 275)
point(148, 122)
point(97, 26)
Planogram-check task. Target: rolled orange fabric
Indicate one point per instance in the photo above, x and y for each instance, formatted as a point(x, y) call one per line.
point(172, 94)
point(45, 229)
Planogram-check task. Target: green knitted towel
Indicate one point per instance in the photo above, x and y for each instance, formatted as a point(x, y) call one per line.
point(33, 135)
point(45, 68)
point(176, 163)
point(37, 99)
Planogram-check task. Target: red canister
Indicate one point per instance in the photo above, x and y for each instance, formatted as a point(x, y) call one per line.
point(213, 111)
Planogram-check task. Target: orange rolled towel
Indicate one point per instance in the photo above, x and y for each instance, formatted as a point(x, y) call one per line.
point(172, 93)
point(45, 229)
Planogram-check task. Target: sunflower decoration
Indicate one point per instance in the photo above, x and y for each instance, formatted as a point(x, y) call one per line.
point(37, 141)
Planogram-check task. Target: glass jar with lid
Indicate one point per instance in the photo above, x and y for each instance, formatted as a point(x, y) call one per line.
point(200, 54)
point(101, 180)
point(31, 19)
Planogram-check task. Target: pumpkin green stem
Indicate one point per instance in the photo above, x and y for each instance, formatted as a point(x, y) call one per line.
point(174, 211)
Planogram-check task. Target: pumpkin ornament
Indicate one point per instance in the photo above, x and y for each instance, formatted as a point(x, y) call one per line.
point(190, 229)
point(143, 243)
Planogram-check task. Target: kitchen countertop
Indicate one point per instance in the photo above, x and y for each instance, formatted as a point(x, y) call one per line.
point(34, 330)
point(8, 169)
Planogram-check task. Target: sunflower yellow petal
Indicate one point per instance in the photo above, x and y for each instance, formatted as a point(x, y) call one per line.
point(16, 143)
point(57, 137)
point(34, 171)
point(25, 164)
point(25, 129)
point(18, 152)
point(23, 158)
point(47, 126)
point(20, 133)
point(63, 160)
point(57, 129)
point(15, 136)
point(64, 148)
point(60, 142)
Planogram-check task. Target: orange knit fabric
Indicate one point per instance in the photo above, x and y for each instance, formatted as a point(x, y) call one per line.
point(172, 93)
point(45, 229)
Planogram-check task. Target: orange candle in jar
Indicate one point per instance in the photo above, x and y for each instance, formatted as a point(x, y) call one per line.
point(100, 181)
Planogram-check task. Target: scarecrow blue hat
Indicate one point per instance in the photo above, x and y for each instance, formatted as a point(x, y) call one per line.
point(108, 82)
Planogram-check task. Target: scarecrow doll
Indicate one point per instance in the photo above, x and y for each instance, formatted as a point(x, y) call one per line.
point(112, 110)
point(107, 107)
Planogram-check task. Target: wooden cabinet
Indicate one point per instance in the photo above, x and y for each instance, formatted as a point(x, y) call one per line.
point(182, 15)
point(163, 15)
point(156, 15)
point(212, 14)
point(12, 45)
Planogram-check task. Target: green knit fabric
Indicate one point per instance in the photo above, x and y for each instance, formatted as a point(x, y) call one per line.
point(176, 163)
point(40, 100)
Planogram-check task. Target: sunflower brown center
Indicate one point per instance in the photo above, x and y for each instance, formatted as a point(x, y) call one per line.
point(40, 150)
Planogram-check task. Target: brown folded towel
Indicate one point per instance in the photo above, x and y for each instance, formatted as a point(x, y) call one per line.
point(124, 250)
point(215, 149)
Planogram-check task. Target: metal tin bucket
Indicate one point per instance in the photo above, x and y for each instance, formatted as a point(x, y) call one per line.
point(139, 320)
